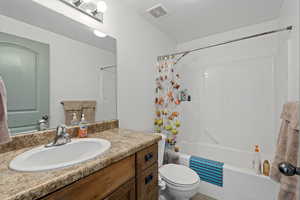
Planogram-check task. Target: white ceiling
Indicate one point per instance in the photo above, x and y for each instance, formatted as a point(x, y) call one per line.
point(37, 15)
point(190, 19)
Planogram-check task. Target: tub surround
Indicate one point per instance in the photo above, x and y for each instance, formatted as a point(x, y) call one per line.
point(237, 173)
point(17, 185)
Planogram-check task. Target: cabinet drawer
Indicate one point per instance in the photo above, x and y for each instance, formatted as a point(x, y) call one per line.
point(146, 157)
point(147, 184)
point(98, 185)
point(125, 192)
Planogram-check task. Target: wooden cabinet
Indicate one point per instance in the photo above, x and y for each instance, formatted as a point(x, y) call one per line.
point(147, 184)
point(125, 192)
point(146, 157)
point(133, 178)
point(147, 173)
point(98, 185)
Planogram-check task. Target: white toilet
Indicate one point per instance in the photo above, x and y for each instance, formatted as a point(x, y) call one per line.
point(177, 182)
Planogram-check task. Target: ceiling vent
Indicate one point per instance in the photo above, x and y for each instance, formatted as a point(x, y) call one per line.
point(157, 11)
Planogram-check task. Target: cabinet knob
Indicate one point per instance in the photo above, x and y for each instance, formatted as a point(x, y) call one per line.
point(148, 179)
point(148, 156)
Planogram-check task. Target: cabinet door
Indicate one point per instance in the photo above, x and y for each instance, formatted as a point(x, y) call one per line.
point(125, 192)
point(147, 157)
point(147, 184)
point(98, 185)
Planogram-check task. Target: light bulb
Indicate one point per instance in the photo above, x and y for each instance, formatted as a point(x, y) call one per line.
point(99, 34)
point(101, 6)
point(88, 10)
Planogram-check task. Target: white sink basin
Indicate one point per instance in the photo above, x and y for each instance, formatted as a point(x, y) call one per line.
point(42, 158)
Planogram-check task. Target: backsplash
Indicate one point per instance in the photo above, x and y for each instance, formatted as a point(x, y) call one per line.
point(44, 137)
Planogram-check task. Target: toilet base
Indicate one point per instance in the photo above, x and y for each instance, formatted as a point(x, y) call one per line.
point(165, 195)
point(181, 193)
point(162, 197)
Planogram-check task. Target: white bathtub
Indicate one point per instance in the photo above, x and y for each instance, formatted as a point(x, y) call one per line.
point(240, 181)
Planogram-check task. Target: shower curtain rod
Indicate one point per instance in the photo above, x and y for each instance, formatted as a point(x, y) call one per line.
point(184, 53)
point(107, 67)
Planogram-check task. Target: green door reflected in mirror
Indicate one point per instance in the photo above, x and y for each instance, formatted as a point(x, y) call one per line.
point(24, 67)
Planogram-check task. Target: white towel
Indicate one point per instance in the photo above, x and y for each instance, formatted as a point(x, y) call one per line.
point(4, 132)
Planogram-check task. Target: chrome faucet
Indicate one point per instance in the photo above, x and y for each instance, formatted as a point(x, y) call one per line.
point(61, 137)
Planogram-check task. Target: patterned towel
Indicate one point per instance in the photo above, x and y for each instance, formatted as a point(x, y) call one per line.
point(208, 170)
point(4, 132)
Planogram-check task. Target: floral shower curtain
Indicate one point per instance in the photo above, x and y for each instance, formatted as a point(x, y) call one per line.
point(167, 100)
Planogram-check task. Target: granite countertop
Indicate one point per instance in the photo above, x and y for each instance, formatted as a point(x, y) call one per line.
point(22, 186)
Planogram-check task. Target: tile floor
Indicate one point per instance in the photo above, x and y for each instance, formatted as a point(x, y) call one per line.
point(202, 197)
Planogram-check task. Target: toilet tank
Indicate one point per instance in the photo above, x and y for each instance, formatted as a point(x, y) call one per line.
point(161, 150)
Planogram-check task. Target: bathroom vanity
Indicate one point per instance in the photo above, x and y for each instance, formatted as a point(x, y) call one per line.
point(127, 171)
point(135, 177)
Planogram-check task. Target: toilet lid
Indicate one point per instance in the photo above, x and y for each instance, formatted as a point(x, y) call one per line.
point(179, 174)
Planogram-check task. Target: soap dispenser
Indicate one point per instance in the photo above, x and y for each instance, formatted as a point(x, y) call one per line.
point(83, 128)
point(257, 160)
point(74, 121)
point(266, 168)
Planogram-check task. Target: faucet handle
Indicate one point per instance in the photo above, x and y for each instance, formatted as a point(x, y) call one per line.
point(61, 138)
point(61, 129)
point(67, 137)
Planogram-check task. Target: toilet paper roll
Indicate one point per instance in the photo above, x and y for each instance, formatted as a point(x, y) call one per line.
point(184, 159)
point(172, 157)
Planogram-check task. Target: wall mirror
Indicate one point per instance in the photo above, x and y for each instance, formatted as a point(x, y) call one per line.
point(52, 72)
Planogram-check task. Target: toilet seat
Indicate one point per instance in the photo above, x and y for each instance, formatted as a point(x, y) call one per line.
point(179, 176)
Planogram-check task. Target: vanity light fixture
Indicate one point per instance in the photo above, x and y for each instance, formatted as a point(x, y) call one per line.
point(102, 6)
point(99, 34)
point(92, 8)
